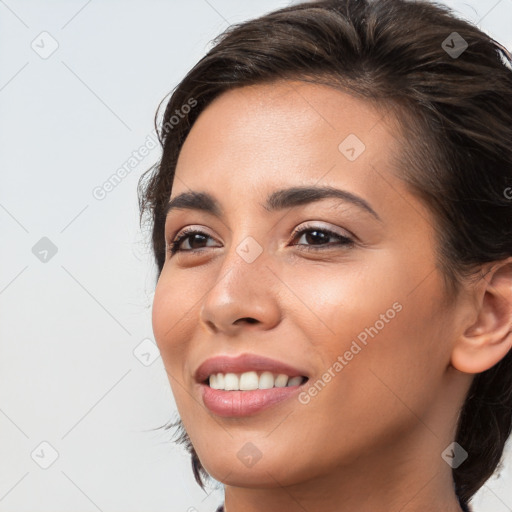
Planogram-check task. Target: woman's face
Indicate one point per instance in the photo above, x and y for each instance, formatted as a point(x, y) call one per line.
point(355, 304)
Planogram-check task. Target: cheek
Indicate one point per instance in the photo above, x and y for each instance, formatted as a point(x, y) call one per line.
point(392, 362)
point(333, 304)
point(169, 328)
point(169, 321)
point(379, 338)
point(162, 313)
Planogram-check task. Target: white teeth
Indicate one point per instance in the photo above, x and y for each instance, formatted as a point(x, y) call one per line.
point(217, 381)
point(231, 382)
point(294, 381)
point(249, 381)
point(266, 381)
point(281, 380)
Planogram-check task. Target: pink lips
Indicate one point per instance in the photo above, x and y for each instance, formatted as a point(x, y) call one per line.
point(244, 363)
point(243, 403)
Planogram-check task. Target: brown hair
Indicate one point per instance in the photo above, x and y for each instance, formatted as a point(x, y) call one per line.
point(455, 112)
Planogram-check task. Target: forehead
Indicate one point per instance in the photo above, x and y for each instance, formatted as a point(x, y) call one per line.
point(284, 127)
point(253, 140)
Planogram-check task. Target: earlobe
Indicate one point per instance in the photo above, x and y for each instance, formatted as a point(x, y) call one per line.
point(489, 338)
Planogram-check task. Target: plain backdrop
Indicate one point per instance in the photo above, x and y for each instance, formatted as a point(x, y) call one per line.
point(81, 382)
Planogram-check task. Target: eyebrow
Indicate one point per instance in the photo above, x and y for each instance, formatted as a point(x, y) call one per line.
point(278, 200)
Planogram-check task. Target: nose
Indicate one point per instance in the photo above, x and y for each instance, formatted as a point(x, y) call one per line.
point(243, 296)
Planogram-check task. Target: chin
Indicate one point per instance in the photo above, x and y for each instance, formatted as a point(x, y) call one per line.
point(264, 477)
point(267, 472)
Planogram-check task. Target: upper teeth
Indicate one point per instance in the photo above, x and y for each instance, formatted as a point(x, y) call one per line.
point(250, 380)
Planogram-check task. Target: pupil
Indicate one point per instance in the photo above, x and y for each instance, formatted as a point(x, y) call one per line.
point(315, 234)
point(194, 238)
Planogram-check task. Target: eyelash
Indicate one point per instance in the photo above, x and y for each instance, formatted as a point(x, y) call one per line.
point(344, 240)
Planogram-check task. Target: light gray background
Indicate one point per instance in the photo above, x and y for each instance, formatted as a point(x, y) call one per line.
point(69, 326)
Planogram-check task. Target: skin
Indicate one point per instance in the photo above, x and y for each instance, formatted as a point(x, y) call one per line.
point(371, 439)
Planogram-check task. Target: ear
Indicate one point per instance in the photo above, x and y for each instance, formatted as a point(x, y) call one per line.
point(488, 339)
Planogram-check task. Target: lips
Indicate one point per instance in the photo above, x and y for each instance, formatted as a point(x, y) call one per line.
point(245, 363)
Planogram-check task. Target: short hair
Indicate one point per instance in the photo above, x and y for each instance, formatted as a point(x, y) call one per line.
point(449, 85)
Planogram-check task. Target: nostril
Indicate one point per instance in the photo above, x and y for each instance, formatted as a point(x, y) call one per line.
point(248, 320)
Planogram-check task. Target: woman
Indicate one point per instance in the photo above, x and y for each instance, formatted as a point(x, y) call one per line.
point(332, 224)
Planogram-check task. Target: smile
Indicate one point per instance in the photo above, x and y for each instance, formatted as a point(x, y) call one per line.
point(237, 403)
point(250, 381)
point(247, 384)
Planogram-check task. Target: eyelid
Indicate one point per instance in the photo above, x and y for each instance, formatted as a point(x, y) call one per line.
point(346, 239)
point(308, 225)
point(187, 229)
point(312, 224)
point(183, 232)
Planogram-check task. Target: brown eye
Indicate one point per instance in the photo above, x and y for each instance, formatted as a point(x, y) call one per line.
point(195, 239)
point(320, 237)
